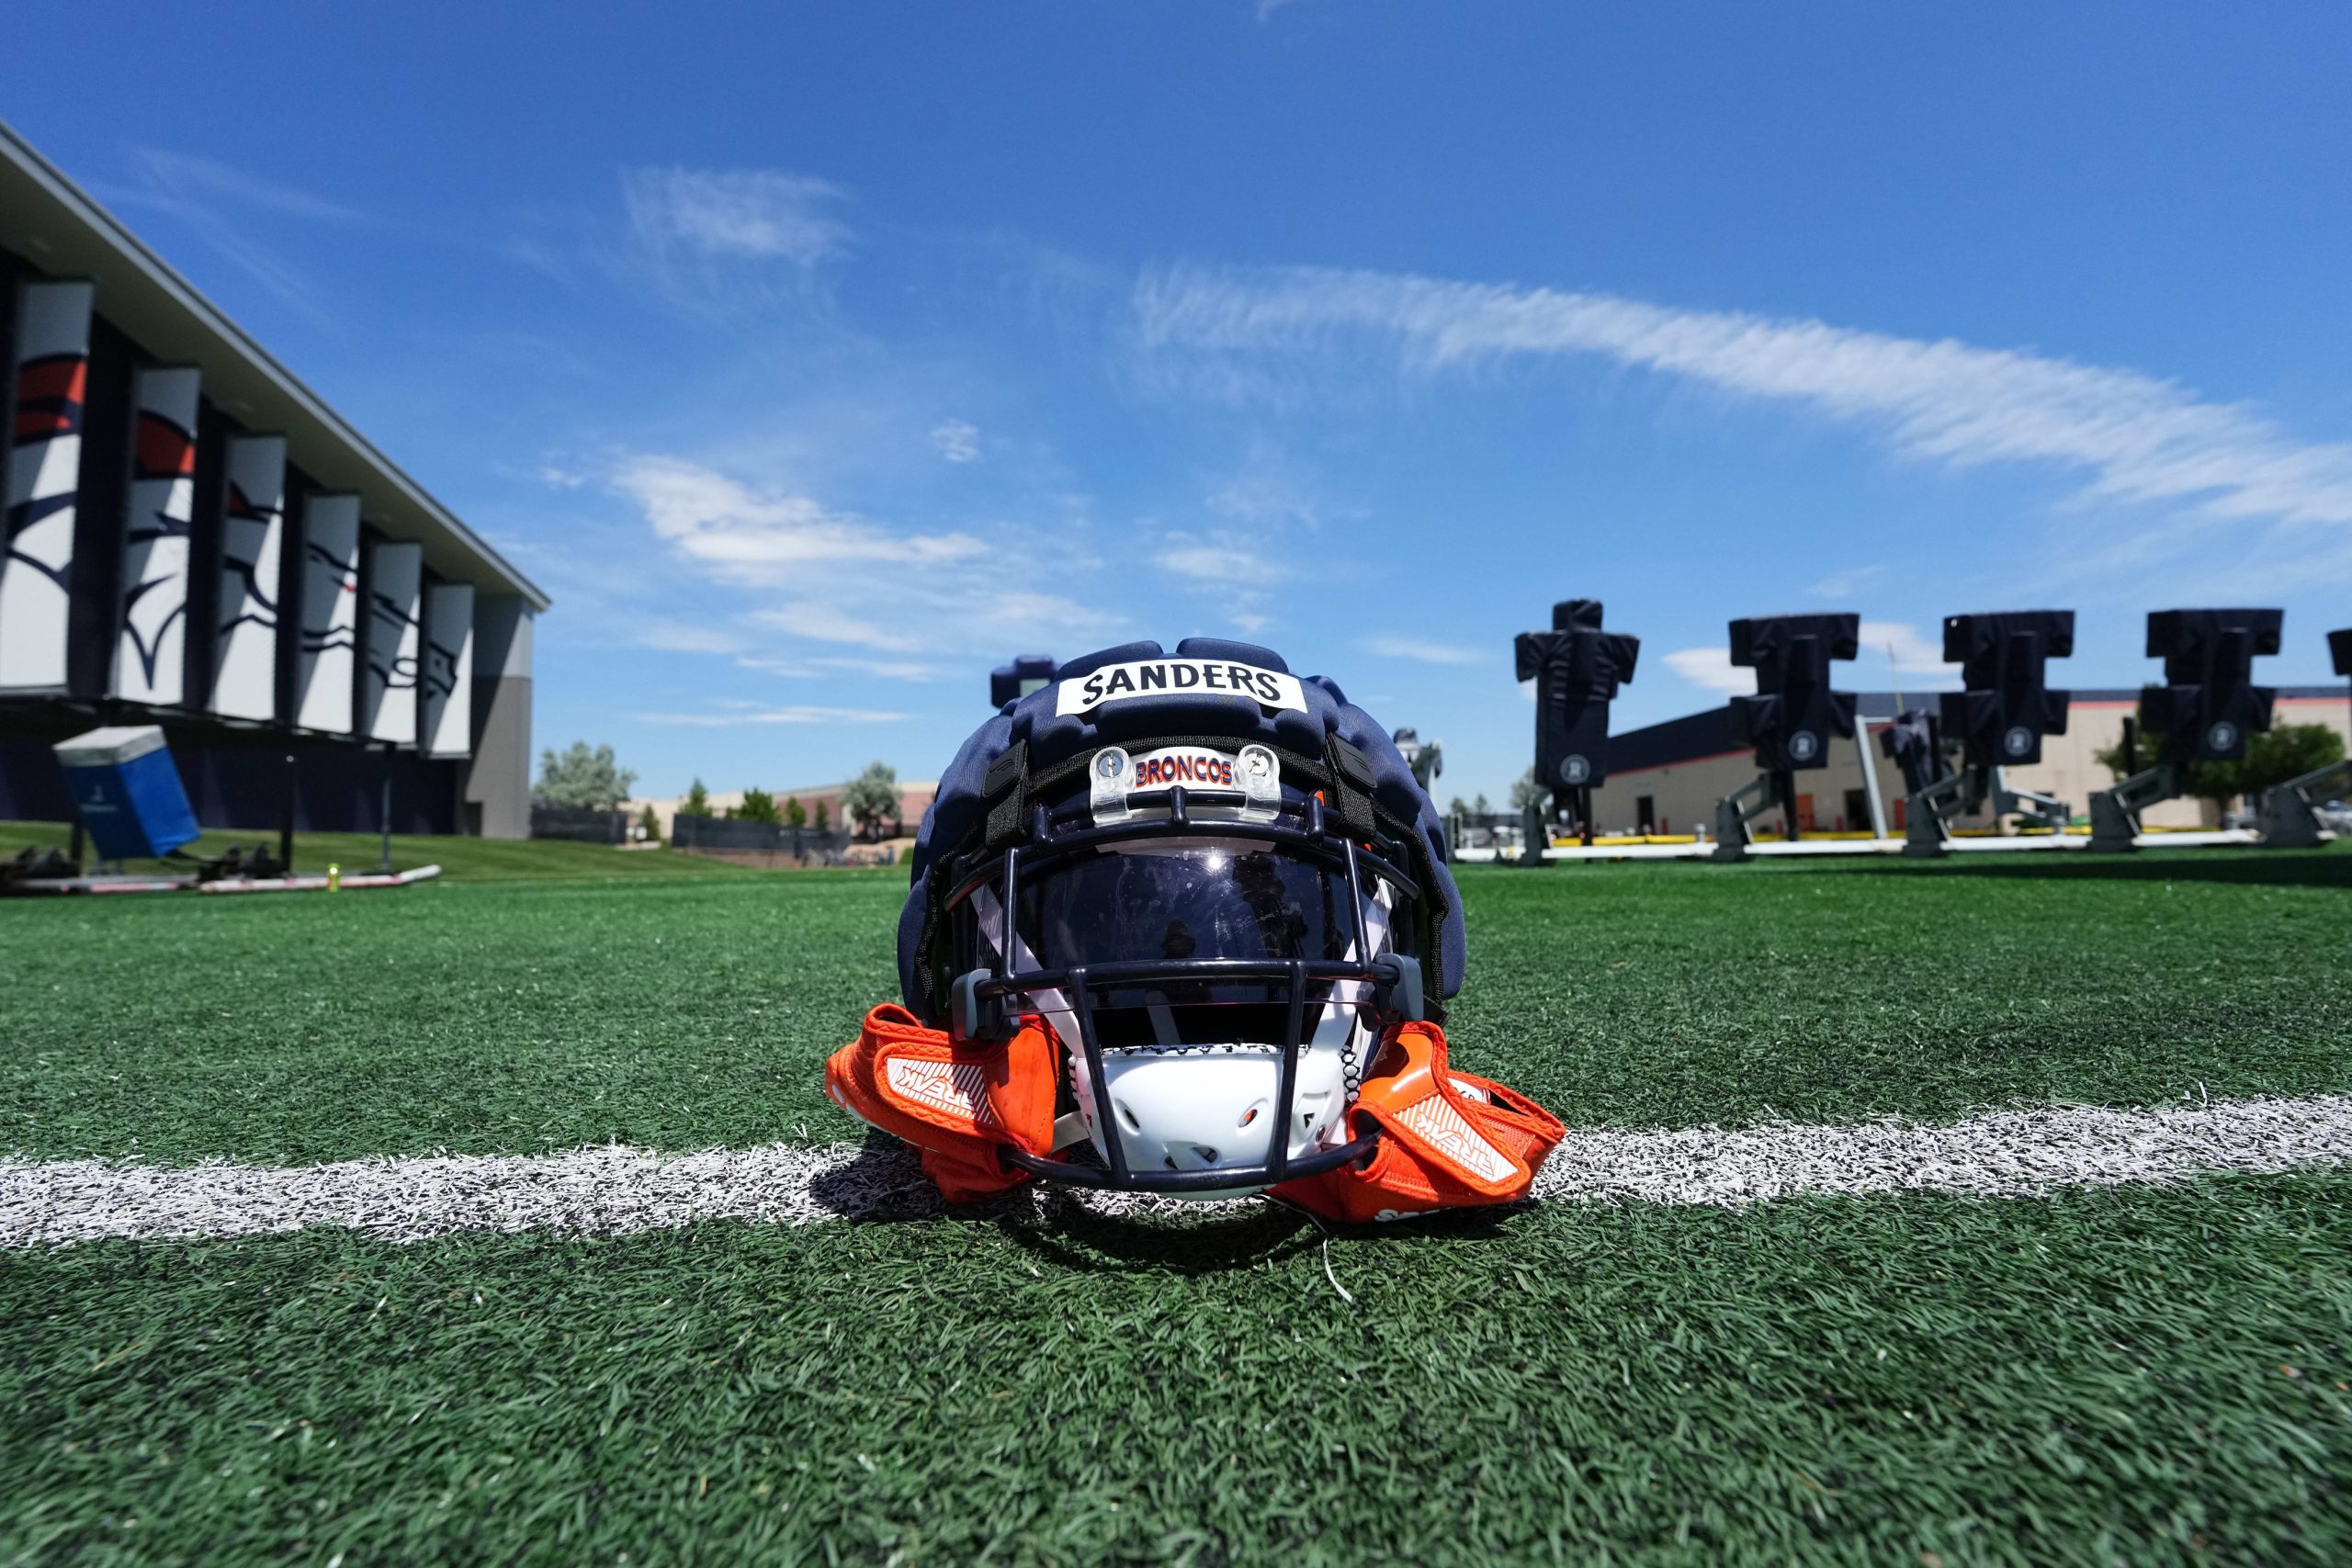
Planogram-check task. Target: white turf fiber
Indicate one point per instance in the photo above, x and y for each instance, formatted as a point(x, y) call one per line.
point(614, 1191)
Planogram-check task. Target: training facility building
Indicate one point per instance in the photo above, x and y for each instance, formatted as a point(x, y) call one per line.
point(194, 539)
point(1668, 777)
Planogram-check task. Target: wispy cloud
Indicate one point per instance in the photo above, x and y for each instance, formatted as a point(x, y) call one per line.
point(1712, 669)
point(1268, 489)
point(1846, 583)
point(723, 245)
point(191, 178)
point(958, 441)
point(1227, 568)
point(1245, 333)
point(1221, 559)
point(831, 664)
point(1903, 648)
point(793, 714)
point(823, 621)
point(684, 636)
point(220, 204)
point(1422, 652)
point(755, 214)
point(765, 537)
point(872, 599)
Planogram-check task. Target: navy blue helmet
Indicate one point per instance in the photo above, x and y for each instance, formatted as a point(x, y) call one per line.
point(1218, 882)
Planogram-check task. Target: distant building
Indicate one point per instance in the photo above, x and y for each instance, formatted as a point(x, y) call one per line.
point(914, 799)
point(194, 539)
point(1668, 777)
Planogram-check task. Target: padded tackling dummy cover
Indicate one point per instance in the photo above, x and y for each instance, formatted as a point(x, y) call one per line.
point(1137, 720)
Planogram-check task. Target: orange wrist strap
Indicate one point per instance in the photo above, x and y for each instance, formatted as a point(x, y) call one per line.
point(957, 1104)
point(1448, 1140)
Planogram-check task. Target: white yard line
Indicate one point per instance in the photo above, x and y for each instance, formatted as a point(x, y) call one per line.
point(614, 1191)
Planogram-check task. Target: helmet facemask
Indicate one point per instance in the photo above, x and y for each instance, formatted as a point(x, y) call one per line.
point(1219, 974)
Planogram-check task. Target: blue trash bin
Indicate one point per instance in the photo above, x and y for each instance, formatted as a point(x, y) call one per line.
point(127, 790)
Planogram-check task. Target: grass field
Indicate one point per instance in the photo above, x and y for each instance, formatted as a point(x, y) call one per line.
point(2128, 1373)
point(461, 859)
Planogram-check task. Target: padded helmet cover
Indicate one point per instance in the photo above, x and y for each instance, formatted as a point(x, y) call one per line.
point(959, 815)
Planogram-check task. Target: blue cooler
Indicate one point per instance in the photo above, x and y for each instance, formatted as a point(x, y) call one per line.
point(126, 792)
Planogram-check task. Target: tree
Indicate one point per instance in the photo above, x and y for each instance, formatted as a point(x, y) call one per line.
point(2271, 757)
point(649, 821)
point(758, 805)
point(1527, 792)
point(871, 797)
point(795, 814)
point(697, 801)
point(582, 776)
point(819, 822)
point(1456, 810)
point(1482, 806)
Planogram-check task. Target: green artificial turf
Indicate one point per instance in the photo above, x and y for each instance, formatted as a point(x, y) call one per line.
point(2105, 1376)
point(461, 859)
point(2121, 1375)
point(681, 1015)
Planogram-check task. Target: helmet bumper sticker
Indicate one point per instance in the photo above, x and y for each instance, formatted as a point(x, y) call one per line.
point(1167, 677)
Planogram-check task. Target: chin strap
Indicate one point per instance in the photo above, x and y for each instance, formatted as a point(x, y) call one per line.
point(1447, 1140)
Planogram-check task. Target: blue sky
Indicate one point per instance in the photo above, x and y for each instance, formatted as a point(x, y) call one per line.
point(816, 358)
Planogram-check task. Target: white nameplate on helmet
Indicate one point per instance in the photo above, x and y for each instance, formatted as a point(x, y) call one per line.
point(1164, 677)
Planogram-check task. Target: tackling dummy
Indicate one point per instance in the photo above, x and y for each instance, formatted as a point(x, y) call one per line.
point(1182, 924)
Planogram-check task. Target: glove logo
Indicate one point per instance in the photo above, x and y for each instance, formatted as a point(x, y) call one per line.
point(2017, 741)
point(958, 1087)
point(1803, 745)
point(1575, 770)
point(2223, 736)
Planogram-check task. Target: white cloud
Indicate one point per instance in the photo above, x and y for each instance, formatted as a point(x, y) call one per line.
point(1423, 652)
point(221, 204)
point(752, 214)
point(1910, 653)
point(936, 619)
point(740, 714)
point(684, 636)
point(823, 593)
point(959, 440)
point(560, 479)
point(765, 537)
point(1712, 668)
point(821, 621)
point(1268, 487)
point(1231, 332)
point(1846, 583)
point(1226, 568)
point(1220, 557)
point(829, 664)
point(191, 178)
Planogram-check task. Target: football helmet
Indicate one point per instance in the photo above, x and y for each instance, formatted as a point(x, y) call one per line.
point(1217, 887)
